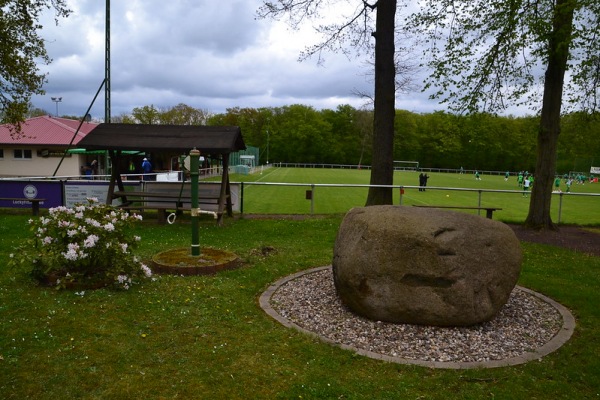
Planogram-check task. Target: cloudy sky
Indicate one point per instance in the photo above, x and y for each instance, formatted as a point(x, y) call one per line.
point(207, 54)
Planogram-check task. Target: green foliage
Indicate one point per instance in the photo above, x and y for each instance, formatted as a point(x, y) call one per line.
point(487, 54)
point(437, 140)
point(86, 244)
point(148, 115)
point(21, 49)
point(183, 114)
point(483, 141)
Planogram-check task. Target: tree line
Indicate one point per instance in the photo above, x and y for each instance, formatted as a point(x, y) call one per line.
point(302, 134)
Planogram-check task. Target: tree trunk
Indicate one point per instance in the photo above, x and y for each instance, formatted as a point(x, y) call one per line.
point(382, 166)
point(558, 52)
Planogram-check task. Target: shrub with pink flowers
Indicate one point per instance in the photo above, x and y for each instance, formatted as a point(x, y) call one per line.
point(86, 245)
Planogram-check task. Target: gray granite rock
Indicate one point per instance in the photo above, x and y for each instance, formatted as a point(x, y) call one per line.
point(424, 266)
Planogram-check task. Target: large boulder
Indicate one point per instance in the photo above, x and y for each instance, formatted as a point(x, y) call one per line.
point(424, 266)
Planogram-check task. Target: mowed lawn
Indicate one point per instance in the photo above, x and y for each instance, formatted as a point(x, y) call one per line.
point(205, 337)
point(283, 191)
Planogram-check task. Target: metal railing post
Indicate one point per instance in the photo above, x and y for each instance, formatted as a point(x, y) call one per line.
point(242, 199)
point(560, 196)
point(312, 199)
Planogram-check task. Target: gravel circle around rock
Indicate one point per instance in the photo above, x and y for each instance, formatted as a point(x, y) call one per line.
point(527, 328)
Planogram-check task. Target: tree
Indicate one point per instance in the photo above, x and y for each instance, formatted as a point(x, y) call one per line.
point(146, 115)
point(485, 54)
point(21, 49)
point(36, 112)
point(183, 114)
point(357, 30)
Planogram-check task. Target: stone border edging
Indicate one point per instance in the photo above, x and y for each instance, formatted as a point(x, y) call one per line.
point(563, 335)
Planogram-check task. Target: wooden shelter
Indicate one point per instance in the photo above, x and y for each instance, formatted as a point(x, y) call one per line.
point(213, 141)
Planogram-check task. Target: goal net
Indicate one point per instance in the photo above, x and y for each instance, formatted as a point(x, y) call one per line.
point(406, 165)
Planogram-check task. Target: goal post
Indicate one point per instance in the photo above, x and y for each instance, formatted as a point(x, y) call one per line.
point(406, 165)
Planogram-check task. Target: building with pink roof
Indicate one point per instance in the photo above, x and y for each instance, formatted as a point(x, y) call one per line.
point(39, 147)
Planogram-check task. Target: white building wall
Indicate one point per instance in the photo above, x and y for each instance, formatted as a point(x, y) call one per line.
point(37, 165)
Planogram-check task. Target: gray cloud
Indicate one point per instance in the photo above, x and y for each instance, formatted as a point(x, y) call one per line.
point(207, 54)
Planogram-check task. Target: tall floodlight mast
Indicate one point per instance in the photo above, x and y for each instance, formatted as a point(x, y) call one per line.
point(107, 66)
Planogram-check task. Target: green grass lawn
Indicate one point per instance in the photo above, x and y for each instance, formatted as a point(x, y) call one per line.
point(278, 199)
point(205, 337)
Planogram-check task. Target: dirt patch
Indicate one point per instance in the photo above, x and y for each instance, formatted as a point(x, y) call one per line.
point(571, 237)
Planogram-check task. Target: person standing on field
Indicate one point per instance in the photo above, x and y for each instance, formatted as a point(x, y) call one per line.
point(526, 184)
point(557, 184)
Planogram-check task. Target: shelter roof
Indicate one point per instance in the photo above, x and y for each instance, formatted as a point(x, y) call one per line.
point(46, 131)
point(182, 138)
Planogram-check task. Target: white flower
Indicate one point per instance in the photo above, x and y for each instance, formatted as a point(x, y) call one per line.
point(71, 255)
point(72, 232)
point(92, 199)
point(93, 222)
point(90, 241)
point(11, 255)
point(137, 238)
point(147, 271)
point(79, 214)
point(47, 240)
point(109, 227)
point(123, 247)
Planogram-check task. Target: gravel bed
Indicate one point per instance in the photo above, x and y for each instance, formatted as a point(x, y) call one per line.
point(523, 325)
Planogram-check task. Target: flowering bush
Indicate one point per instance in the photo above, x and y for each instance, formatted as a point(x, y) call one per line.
point(86, 244)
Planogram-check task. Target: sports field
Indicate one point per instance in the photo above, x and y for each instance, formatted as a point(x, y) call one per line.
point(283, 191)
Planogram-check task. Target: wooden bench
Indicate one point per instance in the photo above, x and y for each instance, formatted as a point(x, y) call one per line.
point(488, 210)
point(35, 203)
point(168, 202)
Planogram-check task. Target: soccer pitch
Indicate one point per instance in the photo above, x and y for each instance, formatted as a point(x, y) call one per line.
point(283, 191)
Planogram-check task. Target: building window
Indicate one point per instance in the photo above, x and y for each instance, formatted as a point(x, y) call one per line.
point(22, 154)
point(1, 154)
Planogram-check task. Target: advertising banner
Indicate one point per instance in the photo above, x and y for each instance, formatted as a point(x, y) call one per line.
point(79, 191)
point(19, 191)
